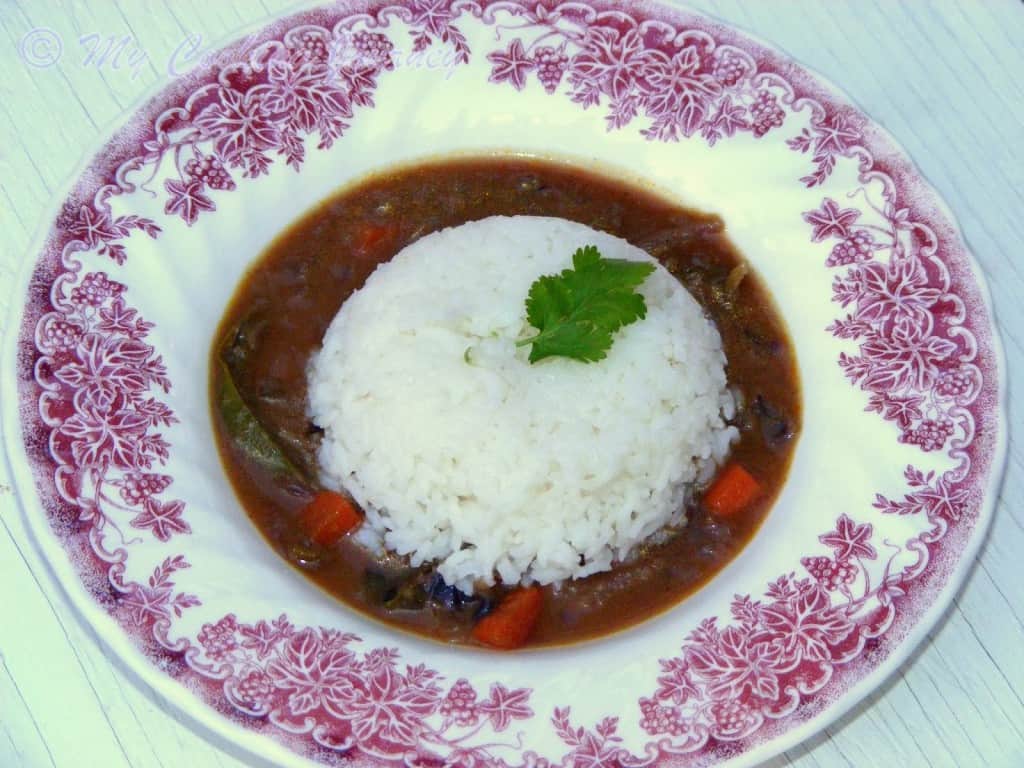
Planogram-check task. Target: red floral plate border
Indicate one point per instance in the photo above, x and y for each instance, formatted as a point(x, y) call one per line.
point(90, 414)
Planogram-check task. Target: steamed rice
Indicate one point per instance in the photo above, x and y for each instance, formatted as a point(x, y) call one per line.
point(462, 452)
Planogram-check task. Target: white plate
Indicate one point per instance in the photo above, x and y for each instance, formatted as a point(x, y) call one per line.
point(108, 432)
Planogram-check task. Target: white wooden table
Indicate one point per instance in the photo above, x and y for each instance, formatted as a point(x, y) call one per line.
point(945, 76)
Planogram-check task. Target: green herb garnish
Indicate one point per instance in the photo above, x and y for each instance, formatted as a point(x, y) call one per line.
point(576, 312)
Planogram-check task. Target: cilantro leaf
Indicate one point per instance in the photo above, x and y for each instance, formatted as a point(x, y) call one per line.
point(577, 311)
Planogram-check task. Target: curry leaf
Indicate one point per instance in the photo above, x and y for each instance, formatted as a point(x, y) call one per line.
point(246, 432)
point(577, 311)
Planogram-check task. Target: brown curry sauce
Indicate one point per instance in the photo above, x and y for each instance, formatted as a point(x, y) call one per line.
point(283, 306)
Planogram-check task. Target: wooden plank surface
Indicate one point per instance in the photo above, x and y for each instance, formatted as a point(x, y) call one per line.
point(946, 77)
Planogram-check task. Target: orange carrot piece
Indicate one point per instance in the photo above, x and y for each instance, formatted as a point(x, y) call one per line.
point(328, 517)
point(512, 621)
point(732, 491)
point(370, 235)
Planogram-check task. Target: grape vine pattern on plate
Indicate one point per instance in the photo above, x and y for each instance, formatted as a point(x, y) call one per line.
point(312, 681)
point(311, 82)
point(729, 680)
point(694, 87)
point(697, 89)
point(100, 377)
point(919, 374)
point(99, 385)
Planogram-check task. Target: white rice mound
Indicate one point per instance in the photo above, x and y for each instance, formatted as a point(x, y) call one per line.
point(463, 452)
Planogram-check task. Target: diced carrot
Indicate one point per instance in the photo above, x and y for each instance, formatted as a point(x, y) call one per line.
point(511, 623)
point(732, 491)
point(328, 517)
point(369, 236)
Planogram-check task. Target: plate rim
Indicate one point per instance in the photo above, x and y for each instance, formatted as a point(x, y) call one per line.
point(236, 737)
